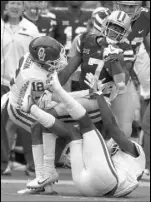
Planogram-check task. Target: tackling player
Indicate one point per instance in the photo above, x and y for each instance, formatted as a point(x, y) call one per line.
point(45, 54)
point(94, 171)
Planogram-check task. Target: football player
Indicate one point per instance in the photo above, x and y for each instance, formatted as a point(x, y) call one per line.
point(69, 22)
point(90, 56)
point(45, 54)
point(34, 13)
point(95, 171)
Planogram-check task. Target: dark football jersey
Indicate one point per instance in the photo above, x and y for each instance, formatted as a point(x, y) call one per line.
point(92, 57)
point(140, 29)
point(66, 25)
point(43, 23)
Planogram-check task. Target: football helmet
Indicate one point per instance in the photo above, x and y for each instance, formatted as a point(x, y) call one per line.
point(35, 7)
point(132, 8)
point(98, 16)
point(49, 53)
point(116, 27)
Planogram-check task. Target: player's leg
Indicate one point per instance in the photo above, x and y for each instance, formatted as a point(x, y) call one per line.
point(96, 158)
point(123, 107)
point(25, 121)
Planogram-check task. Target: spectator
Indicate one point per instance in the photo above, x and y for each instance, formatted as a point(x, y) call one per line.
point(36, 12)
point(16, 34)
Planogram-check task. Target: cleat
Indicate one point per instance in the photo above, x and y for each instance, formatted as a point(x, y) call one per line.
point(42, 182)
point(30, 191)
point(49, 190)
point(33, 184)
point(51, 179)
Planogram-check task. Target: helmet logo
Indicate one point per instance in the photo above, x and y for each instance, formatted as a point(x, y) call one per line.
point(41, 54)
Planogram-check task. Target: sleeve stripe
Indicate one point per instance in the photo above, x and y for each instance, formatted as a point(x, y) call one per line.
point(128, 52)
point(129, 58)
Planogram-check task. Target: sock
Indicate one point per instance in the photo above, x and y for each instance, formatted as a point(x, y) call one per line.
point(38, 154)
point(75, 109)
point(49, 142)
point(47, 120)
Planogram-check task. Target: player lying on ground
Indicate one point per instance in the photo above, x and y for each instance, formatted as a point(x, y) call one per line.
point(95, 172)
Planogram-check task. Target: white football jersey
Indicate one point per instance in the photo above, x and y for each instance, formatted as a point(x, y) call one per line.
point(28, 71)
point(129, 170)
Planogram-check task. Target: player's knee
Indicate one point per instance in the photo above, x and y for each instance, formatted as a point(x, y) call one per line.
point(36, 133)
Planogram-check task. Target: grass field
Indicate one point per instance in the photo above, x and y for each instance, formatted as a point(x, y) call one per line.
point(65, 188)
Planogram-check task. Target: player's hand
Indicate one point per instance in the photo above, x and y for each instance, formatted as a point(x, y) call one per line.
point(53, 83)
point(94, 84)
point(91, 81)
point(45, 100)
point(111, 53)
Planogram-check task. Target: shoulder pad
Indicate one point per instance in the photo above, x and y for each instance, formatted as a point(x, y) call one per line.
point(145, 12)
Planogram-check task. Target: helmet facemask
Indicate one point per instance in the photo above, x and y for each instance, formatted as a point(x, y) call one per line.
point(114, 33)
point(57, 65)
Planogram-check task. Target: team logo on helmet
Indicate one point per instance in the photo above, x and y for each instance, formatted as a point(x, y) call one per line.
point(41, 54)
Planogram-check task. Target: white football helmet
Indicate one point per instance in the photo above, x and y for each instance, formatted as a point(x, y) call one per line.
point(116, 27)
point(132, 8)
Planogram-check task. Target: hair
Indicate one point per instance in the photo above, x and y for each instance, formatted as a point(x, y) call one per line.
point(5, 16)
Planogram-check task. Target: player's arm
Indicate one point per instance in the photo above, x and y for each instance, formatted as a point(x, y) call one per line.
point(73, 62)
point(109, 121)
point(111, 127)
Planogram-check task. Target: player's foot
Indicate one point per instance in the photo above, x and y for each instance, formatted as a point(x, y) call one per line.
point(25, 98)
point(43, 181)
point(49, 178)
